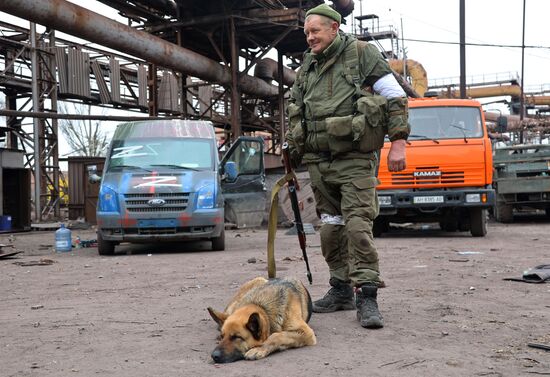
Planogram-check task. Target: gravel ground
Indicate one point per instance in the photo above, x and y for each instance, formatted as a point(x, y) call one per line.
point(447, 309)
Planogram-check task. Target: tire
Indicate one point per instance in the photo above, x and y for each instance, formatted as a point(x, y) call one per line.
point(380, 226)
point(478, 222)
point(105, 247)
point(218, 243)
point(503, 212)
point(449, 225)
point(547, 210)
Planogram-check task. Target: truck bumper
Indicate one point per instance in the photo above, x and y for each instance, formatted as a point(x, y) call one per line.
point(202, 224)
point(393, 201)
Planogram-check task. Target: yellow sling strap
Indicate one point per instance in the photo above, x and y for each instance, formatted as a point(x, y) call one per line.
point(272, 223)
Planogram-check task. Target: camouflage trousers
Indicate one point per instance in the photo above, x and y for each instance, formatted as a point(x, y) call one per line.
point(347, 188)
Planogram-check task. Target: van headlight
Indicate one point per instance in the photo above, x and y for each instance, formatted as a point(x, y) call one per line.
point(206, 197)
point(108, 200)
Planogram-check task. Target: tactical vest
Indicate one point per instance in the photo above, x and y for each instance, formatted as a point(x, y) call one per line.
point(362, 130)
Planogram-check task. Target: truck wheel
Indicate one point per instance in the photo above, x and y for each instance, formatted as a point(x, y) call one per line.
point(547, 210)
point(478, 222)
point(218, 243)
point(503, 212)
point(380, 226)
point(105, 247)
point(449, 225)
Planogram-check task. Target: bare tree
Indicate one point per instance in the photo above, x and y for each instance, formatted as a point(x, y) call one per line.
point(85, 137)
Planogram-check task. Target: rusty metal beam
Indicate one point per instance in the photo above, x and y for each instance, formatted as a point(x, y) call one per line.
point(83, 23)
point(236, 129)
point(49, 115)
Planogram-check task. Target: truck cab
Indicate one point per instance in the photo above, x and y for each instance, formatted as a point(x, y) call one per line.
point(163, 182)
point(449, 169)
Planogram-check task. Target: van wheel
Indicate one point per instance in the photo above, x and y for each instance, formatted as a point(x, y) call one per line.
point(105, 247)
point(218, 243)
point(478, 222)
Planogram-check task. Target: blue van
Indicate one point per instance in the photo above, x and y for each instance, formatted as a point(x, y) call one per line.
point(163, 181)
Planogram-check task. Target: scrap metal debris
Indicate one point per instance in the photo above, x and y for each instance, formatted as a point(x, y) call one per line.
point(539, 346)
point(9, 254)
point(41, 262)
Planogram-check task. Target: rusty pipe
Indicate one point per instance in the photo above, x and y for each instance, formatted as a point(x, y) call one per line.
point(344, 7)
point(83, 23)
point(266, 69)
point(487, 91)
point(535, 100)
point(168, 6)
point(416, 72)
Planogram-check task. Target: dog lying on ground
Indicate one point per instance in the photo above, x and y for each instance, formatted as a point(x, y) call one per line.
point(265, 316)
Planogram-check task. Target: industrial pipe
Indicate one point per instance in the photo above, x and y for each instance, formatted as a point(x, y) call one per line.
point(416, 72)
point(515, 123)
point(487, 91)
point(83, 23)
point(535, 100)
point(344, 7)
point(266, 69)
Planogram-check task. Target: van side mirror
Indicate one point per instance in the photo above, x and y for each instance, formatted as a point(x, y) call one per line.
point(230, 170)
point(92, 174)
point(502, 124)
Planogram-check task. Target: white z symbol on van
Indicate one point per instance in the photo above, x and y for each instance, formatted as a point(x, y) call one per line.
point(159, 181)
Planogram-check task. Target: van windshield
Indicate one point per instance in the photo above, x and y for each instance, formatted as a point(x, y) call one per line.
point(451, 122)
point(186, 153)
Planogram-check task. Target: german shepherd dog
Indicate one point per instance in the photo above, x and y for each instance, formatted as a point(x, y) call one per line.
point(265, 316)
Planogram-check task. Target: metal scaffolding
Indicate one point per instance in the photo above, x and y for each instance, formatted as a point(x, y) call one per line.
point(173, 58)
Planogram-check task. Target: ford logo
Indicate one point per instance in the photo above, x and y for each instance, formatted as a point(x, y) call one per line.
point(157, 202)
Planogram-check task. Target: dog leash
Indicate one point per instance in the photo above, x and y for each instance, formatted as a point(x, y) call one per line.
point(272, 223)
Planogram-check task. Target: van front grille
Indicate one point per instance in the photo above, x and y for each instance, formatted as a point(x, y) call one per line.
point(167, 202)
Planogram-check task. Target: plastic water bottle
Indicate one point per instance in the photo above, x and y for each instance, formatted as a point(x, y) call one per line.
point(63, 239)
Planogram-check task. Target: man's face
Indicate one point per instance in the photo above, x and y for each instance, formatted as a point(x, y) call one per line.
point(320, 32)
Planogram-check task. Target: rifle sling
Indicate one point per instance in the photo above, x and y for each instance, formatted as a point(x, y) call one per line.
point(272, 223)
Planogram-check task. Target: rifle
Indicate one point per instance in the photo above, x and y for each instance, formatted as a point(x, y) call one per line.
point(292, 187)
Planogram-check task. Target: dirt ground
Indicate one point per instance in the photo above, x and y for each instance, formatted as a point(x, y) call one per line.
point(447, 309)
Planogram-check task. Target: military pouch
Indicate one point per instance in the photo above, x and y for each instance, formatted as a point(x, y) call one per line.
point(369, 126)
point(340, 134)
point(296, 128)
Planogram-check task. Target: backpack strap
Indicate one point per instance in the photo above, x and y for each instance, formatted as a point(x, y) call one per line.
point(352, 67)
point(301, 80)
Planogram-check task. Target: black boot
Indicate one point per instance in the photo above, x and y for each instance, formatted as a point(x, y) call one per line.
point(339, 297)
point(367, 307)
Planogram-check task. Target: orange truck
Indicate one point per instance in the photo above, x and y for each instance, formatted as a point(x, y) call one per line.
point(449, 169)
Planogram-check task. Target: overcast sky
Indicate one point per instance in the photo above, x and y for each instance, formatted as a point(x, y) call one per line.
point(493, 22)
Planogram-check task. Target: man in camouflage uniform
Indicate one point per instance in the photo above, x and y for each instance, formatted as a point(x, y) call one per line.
point(344, 100)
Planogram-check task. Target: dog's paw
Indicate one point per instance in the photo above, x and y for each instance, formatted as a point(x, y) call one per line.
point(256, 353)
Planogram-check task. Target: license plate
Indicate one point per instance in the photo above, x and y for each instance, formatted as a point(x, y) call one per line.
point(428, 199)
point(157, 223)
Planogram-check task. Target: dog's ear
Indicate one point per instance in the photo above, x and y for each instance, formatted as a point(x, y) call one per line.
point(253, 325)
point(217, 316)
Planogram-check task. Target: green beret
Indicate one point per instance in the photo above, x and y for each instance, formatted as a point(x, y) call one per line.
point(325, 10)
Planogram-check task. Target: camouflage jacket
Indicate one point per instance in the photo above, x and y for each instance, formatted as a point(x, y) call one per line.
point(331, 115)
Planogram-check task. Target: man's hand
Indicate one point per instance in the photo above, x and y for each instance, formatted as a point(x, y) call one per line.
point(396, 156)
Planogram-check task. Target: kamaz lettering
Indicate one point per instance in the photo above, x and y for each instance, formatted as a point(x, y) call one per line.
point(427, 174)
